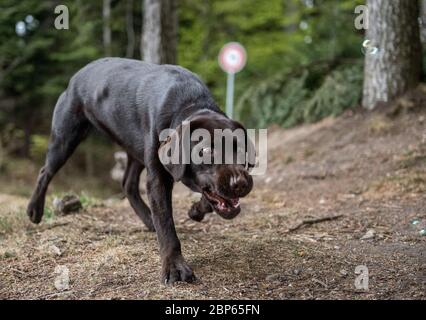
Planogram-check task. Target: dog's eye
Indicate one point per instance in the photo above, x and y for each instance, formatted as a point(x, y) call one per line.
point(206, 151)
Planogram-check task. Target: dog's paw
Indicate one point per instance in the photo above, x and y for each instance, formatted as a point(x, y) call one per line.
point(35, 212)
point(195, 214)
point(176, 270)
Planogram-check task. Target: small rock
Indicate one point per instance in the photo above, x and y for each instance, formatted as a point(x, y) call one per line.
point(322, 201)
point(370, 234)
point(422, 232)
point(296, 271)
point(55, 250)
point(273, 277)
point(343, 273)
point(62, 279)
point(68, 204)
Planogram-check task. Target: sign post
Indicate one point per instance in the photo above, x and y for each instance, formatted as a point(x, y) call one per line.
point(232, 59)
point(230, 94)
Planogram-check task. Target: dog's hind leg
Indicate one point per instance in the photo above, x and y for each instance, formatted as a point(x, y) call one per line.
point(69, 128)
point(131, 189)
point(199, 209)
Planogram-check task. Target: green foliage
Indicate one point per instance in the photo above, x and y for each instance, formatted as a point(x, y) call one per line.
point(49, 214)
point(5, 225)
point(87, 200)
point(310, 95)
point(39, 145)
point(276, 100)
point(340, 90)
point(280, 37)
point(35, 66)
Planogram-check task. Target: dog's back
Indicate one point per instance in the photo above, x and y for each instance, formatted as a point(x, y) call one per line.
point(113, 91)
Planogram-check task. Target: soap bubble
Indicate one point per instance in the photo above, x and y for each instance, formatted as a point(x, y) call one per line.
point(309, 3)
point(303, 25)
point(369, 48)
point(20, 28)
point(32, 23)
point(366, 43)
point(308, 39)
point(29, 19)
point(371, 51)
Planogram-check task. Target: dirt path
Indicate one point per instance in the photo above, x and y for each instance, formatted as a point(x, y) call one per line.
point(368, 169)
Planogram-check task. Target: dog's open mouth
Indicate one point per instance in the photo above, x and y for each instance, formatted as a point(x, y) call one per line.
point(226, 207)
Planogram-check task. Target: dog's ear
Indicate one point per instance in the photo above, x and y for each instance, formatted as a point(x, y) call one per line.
point(171, 153)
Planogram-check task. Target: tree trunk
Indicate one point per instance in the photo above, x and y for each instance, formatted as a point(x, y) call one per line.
point(395, 66)
point(159, 36)
point(423, 21)
point(106, 14)
point(2, 153)
point(130, 31)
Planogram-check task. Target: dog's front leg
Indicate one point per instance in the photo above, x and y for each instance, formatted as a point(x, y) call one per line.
point(174, 266)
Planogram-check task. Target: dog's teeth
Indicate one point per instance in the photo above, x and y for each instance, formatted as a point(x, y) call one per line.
point(221, 206)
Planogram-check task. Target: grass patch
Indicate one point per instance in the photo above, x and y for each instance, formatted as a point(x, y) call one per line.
point(413, 162)
point(12, 222)
point(7, 255)
point(413, 158)
point(88, 201)
point(378, 125)
point(413, 182)
point(289, 160)
point(5, 225)
point(48, 214)
point(308, 153)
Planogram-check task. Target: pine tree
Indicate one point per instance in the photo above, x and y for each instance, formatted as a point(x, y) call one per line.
point(159, 39)
point(393, 55)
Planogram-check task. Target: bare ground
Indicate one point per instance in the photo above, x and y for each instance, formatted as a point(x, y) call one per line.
point(368, 171)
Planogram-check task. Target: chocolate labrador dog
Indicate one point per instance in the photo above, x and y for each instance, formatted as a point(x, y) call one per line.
point(133, 102)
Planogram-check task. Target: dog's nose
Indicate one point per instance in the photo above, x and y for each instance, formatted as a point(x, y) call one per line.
point(239, 185)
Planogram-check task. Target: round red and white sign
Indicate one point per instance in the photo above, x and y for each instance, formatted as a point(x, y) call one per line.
point(232, 57)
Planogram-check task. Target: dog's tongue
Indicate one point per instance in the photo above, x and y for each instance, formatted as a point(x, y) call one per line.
point(224, 203)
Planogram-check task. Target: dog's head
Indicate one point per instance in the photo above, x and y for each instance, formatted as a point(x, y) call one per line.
point(214, 158)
